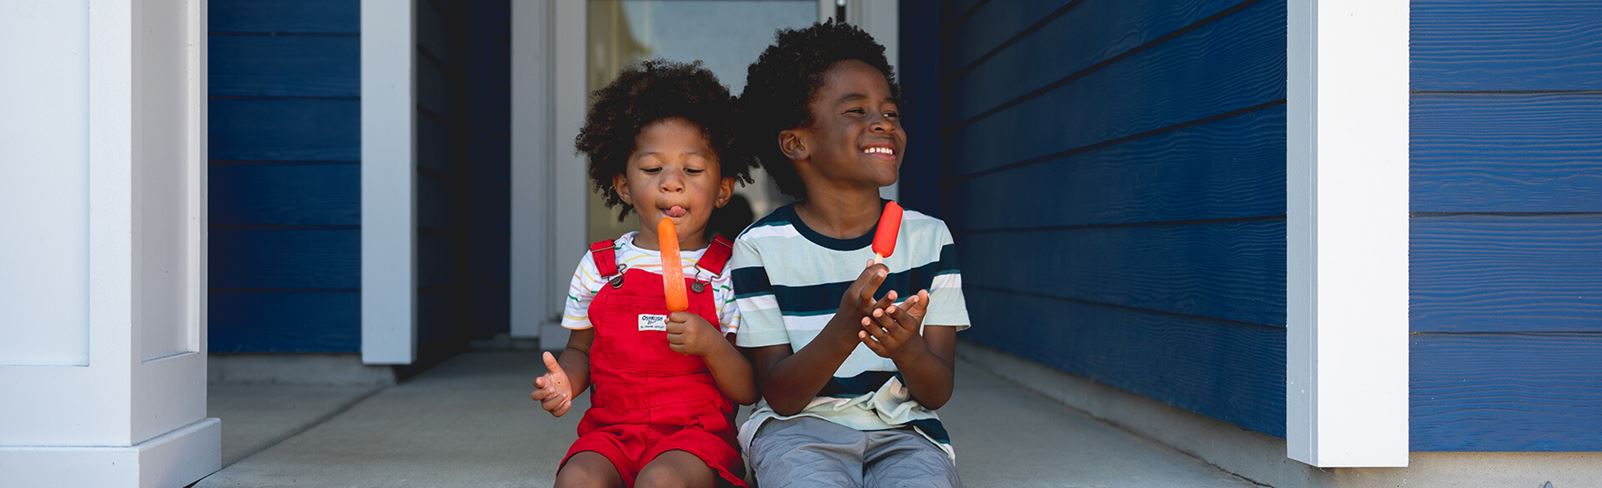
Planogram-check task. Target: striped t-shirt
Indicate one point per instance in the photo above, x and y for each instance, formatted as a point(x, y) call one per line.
point(788, 280)
point(587, 282)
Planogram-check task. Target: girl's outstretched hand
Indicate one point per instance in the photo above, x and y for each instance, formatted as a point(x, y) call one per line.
point(553, 390)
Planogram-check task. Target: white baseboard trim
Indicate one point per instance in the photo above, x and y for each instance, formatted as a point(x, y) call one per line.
point(1261, 458)
point(174, 459)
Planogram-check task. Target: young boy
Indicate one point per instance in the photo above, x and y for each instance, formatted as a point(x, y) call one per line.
point(849, 382)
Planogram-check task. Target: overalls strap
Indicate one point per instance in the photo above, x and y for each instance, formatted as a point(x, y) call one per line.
point(717, 256)
point(605, 257)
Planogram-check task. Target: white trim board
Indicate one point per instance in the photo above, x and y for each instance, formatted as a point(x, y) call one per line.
point(122, 402)
point(531, 169)
point(568, 204)
point(1347, 233)
point(548, 182)
point(389, 172)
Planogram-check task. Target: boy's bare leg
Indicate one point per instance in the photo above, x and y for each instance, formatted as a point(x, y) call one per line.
point(676, 469)
point(588, 469)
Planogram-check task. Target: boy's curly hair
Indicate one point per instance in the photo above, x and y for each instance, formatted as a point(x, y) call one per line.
point(647, 93)
point(781, 83)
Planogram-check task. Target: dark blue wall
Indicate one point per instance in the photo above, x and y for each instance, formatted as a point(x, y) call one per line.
point(464, 170)
point(438, 181)
point(488, 205)
point(285, 133)
point(284, 193)
point(1114, 172)
point(1507, 225)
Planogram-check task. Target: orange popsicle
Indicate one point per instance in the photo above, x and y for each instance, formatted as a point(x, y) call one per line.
point(672, 269)
point(884, 240)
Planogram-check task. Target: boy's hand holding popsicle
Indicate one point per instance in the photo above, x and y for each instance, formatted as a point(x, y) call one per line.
point(687, 333)
point(858, 299)
point(892, 330)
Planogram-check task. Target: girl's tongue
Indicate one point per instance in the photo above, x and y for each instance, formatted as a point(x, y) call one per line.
point(677, 211)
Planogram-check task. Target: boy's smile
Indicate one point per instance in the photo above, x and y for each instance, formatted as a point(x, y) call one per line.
point(856, 137)
point(673, 173)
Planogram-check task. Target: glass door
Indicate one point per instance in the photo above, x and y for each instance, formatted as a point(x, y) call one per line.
point(726, 35)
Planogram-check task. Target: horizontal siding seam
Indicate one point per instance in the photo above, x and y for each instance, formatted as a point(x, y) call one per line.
point(281, 34)
point(1150, 311)
point(1116, 225)
point(950, 181)
point(1510, 333)
point(1088, 70)
point(1506, 92)
point(1025, 32)
point(283, 290)
point(273, 227)
point(1429, 215)
point(962, 18)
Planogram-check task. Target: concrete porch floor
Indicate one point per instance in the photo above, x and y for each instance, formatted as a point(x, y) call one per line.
point(469, 422)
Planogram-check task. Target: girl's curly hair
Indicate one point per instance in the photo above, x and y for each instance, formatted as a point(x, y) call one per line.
point(781, 83)
point(647, 93)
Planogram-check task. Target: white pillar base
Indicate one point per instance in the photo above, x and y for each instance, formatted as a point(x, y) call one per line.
point(174, 459)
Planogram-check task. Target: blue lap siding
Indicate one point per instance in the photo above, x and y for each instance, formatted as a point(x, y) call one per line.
point(1507, 226)
point(285, 174)
point(285, 164)
point(1114, 175)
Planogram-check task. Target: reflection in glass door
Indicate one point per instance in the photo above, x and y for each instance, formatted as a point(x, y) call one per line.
point(726, 35)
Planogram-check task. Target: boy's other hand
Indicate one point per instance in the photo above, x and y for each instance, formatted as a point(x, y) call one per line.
point(691, 335)
point(552, 390)
point(858, 299)
point(893, 332)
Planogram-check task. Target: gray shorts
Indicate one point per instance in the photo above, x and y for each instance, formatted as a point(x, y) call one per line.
point(807, 451)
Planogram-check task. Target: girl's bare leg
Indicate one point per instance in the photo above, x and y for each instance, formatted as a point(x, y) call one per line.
point(588, 469)
point(676, 469)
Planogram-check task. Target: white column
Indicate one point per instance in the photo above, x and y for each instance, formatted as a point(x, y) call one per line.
point(570, 185)
point(1347, 233)
point(102, 263)
point(389, 188)
point(532, 170)
point(548, 182)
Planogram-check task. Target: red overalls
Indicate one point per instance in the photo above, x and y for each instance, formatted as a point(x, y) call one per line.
point(646, 399)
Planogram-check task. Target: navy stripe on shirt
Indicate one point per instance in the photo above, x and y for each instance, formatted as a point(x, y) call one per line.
point(811, 300)
point(932, 428)
point(855, 386)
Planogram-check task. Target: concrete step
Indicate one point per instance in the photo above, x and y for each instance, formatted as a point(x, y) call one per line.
point(469, 422)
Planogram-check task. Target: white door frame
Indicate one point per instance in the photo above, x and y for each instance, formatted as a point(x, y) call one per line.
point(548, 183)
point(388, 187)
point(548, 178)
point(1346, 383)
point(105, 356)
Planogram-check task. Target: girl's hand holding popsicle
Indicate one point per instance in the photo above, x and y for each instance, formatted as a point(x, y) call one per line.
point(687, 333)
point(691, 335)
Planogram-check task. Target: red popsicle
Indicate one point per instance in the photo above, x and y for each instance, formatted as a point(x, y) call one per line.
point(672, 268)
point(884, 240)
